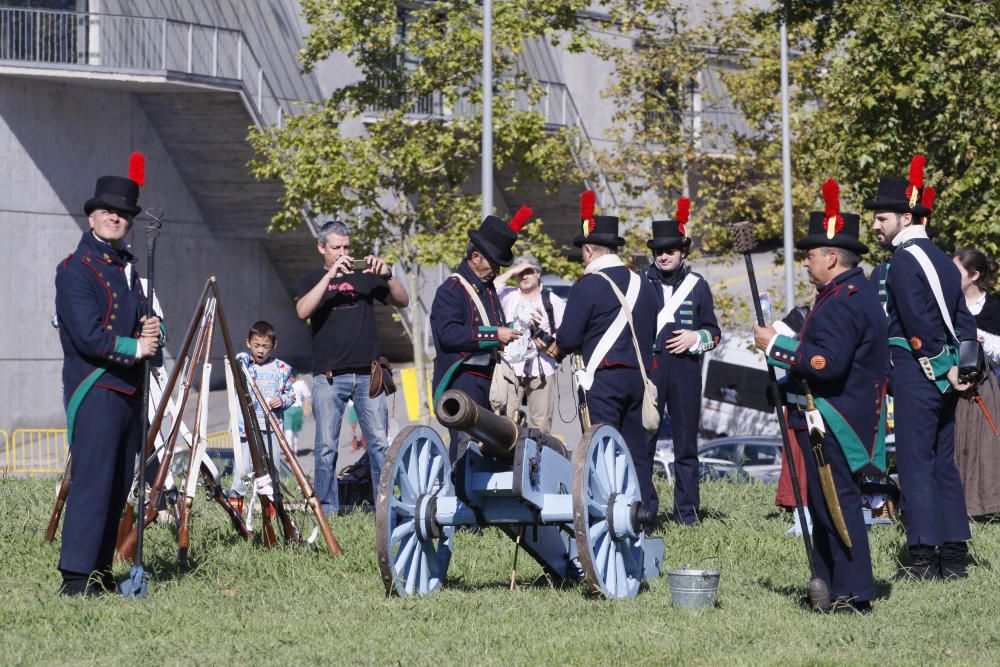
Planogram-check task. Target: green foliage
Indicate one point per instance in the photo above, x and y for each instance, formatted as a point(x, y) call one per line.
point(243, 603)
point(871, 85)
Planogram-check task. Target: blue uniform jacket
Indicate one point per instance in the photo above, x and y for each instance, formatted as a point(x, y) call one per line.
point(463, 342)
point(98, 315)
point(696, 312)
point(841, 352)
point(591, 308)
point(915, 321)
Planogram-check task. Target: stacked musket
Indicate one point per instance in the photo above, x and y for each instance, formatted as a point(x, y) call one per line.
point(167, 426)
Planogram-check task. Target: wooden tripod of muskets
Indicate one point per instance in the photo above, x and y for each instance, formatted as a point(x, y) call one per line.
point(744, 242)
point(196, 347)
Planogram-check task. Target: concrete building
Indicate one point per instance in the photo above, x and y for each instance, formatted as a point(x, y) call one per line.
point(85, 82)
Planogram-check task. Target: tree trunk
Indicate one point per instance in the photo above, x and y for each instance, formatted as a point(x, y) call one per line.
point(418, 313)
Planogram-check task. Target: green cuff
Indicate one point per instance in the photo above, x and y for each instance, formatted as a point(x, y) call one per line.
point(163, 334)
point(783, 352)
point(487, 337)
point(943, 362)
point(489, 344)
point(126, 347)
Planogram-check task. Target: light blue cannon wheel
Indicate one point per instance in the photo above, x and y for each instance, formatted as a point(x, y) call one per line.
point(605, 505)
point(413, 550)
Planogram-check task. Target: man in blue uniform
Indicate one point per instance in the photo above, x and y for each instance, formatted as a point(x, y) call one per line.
point(686, 328)
point(105, 337)
point(467, 320)
point(838, 358)
point(595, 325)
point(927, 320)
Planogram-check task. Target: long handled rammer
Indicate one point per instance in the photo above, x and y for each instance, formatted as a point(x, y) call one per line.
point(744, 242)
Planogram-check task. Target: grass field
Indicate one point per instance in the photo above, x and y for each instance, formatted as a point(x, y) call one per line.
point(240, 603)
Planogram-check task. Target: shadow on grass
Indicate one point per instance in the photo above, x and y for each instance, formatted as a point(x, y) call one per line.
point(883, 589)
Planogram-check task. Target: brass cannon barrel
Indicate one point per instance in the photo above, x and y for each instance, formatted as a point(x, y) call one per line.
point(496, 435)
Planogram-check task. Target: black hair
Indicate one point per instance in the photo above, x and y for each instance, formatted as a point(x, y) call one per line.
point(262, 329)
point(976, 261)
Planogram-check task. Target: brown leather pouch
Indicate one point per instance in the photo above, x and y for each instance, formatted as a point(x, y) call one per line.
point(381, 378)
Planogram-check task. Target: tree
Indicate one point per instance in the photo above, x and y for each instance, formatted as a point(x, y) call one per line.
point(404, 181)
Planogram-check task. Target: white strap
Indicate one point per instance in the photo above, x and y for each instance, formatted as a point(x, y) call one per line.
point(672, 301)
point(201, 437)
point(475, 297)
point(585, 377)
point(240, 467)
point(935, 282)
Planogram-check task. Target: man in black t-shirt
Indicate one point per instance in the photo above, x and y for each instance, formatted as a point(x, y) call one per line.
point(338, 303)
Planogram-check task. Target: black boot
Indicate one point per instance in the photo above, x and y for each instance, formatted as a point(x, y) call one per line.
point(923, 564)
point(73, 583)
point(953, 560)
point(101, 582)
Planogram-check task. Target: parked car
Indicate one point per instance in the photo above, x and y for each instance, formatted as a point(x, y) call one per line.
point(759, 455)
point(708, 468)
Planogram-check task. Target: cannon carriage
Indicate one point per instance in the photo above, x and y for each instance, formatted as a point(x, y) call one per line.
point(580, 517)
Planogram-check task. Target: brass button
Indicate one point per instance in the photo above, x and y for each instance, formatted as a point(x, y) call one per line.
point(115, 306)
point(109, 327)
point(113, 316)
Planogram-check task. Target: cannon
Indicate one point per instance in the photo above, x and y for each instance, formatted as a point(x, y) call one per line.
point(580, 517)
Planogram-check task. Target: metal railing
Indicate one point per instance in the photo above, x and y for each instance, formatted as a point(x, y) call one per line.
point(136, 44)
point(37, 451)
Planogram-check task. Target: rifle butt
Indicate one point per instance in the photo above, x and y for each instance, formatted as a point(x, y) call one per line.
point(324, 527)
point(270, 538)
point(184, 531)
point(50, 531)
point(125, 526)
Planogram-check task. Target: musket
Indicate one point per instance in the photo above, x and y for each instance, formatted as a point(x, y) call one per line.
point(50, 532)
point(817, 433)
point(265, 476)
point(198, 444)
point(744, 242)
point(126, 550)
point(307, 488)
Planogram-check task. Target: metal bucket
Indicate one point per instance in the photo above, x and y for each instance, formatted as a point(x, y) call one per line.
point(693, 589)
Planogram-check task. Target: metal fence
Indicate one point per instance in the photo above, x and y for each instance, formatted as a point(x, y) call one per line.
point(115, 43)
point(37, 451)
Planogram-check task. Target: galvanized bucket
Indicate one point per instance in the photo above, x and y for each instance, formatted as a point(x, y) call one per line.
point(693, 589)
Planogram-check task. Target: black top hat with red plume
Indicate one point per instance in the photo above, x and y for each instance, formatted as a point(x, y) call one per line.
point(116, 193)
point(599, 230)
point(831, 227)
point(672, 233)
point(495, 238)
point(902, 195)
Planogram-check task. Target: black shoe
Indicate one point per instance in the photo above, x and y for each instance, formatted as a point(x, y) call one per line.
point(953, 560)
point(850, 606)
point(924, 565)
point(75, 583)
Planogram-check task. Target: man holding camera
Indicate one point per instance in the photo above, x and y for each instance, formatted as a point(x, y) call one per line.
point(928, 321)
point(338, 301)
point(533, 308)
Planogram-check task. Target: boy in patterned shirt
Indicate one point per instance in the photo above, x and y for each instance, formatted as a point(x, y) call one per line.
point(274, 379)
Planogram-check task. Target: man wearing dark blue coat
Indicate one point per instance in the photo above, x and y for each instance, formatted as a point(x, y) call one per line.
point(927, 320)
point(105, 337)
point(611, 377)
point(686, 328)
point(465, 341)
point(838, 359)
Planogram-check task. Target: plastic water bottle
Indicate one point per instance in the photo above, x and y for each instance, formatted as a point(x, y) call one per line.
point(765, 306)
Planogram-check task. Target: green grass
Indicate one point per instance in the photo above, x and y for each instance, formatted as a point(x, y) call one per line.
point(243, 604)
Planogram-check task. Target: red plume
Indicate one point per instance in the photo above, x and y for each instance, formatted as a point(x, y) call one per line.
point(916, 179)
point(917, 171)
point(831, 198)
point(587, 201)
point(682, 214)
point(928, 198)
point(520, 218)
point(137, 168)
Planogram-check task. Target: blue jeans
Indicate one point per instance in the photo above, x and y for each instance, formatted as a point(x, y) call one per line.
point(329, 400)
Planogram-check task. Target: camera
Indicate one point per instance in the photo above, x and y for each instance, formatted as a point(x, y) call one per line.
point(360, 265)
point(546, 338)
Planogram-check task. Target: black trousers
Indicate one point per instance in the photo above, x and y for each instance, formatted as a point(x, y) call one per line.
point(678, 385)
point(846, 571)
point(105, 441)
point(615, 399)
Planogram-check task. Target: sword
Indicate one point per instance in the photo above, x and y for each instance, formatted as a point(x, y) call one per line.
point(817, 431)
